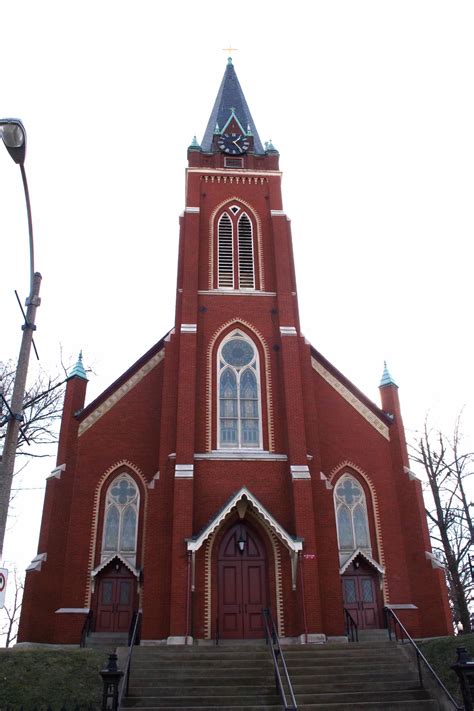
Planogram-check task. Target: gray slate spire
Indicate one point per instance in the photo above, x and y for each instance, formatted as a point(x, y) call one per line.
point(230, 96)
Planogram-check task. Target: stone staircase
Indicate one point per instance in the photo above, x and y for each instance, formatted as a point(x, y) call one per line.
point(109, 641)
point(358, 677)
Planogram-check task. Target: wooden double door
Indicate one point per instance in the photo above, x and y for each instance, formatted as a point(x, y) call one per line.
point(361, 598)
point(242, 584)
point(115, 600)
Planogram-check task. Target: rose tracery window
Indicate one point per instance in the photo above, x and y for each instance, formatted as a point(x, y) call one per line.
point(351, 515)
point(239, 418)
point(121, 519)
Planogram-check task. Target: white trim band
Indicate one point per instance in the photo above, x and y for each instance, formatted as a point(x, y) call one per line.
point(277, 213)
point(288, 331)
point(238, 454)
point(411, 475)
point(192, 209)
point(57, 471)
point(300, 471)
point(435, 561)
point(37, 562)
point(184, 471)
point(74, 610)
point(188, 328)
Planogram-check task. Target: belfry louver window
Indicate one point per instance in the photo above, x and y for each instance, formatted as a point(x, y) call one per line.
point(246, 262)
point(235, 250)
point(226, 253)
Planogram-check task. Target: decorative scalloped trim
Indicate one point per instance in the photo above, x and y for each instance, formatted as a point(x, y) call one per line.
point(375, 508)
point(282, 535)
point(344, 392)
point(95, 518)
point(258, 222)
point(120, 392)
point(379, 568)
point(103, 565)
point(268, 384)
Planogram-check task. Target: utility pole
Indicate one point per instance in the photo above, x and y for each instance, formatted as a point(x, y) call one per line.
point(7, 463)
point(13, 134)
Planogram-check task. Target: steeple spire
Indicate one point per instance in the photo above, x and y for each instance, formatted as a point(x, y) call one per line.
point(230, 99)
point(386, 377)
point(78, 369)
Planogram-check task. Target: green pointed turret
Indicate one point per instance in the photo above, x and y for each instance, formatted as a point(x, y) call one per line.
point(78, 370)
point(386, 377)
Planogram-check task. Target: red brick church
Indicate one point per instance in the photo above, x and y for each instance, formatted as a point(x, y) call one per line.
point(232, 467)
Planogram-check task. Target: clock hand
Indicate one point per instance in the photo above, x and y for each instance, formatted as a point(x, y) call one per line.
point(235, 143)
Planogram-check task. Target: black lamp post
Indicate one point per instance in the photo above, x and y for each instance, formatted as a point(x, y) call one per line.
point(13, 134)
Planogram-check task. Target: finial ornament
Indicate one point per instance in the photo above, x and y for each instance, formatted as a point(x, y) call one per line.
point(78, 369)
point(229, 50)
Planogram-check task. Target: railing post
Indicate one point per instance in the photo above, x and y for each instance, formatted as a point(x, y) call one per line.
point(111, 676)
point(420, 676)
point(464, 668)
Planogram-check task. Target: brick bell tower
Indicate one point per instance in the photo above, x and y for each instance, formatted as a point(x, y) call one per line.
point(240, 421)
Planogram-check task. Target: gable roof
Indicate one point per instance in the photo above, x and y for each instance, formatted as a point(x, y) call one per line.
point(291, 542)
point(122, 379)
point(346, 383)
point(230, 96)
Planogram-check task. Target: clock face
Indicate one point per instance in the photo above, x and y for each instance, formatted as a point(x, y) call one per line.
point(233, 143)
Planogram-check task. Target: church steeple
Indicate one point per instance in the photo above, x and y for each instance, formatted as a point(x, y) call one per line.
point(230, 102)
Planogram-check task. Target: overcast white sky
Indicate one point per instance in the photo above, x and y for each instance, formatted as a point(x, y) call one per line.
point(371, 106)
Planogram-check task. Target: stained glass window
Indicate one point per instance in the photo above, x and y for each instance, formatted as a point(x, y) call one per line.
point(121, 518)
point(239, 396)
point(351, 515)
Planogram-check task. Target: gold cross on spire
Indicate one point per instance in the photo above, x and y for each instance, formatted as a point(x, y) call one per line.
point(229, 49)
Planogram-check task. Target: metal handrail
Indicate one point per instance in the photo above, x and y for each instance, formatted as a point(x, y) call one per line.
point(133, 637)
point(352, 629)
point(271, 635)
point(86, 627)
point(391, 617)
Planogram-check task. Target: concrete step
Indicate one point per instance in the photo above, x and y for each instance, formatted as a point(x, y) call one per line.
point(218, 702)
point(367, 677)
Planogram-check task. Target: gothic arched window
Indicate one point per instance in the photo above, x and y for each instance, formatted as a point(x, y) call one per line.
point(351, 515)
point(235, 250)
point(121, 519)
point(238, 386)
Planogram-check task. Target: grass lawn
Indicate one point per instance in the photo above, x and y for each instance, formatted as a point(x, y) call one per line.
point(441, 654)
point(36, 678)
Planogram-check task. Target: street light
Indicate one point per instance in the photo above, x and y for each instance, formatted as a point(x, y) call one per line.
point(13, 134)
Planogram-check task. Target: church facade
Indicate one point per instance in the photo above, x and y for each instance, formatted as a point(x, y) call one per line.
point(232, 467)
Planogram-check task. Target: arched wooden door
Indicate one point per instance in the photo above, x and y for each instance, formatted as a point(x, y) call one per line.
point(242, 584)
point(361, 595)
point(115, 591)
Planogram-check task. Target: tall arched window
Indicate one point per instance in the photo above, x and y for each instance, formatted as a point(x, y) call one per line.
point(225, 248)
point(235, 250)
point(351, 516)
point(121, 519)
point(238, 385)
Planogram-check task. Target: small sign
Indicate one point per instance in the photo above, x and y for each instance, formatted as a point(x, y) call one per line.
point(309, 556)
point(3, 586)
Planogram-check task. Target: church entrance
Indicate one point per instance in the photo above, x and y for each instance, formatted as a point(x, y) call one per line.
point(361, 596)
point(115, 599)
point(242, 584)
